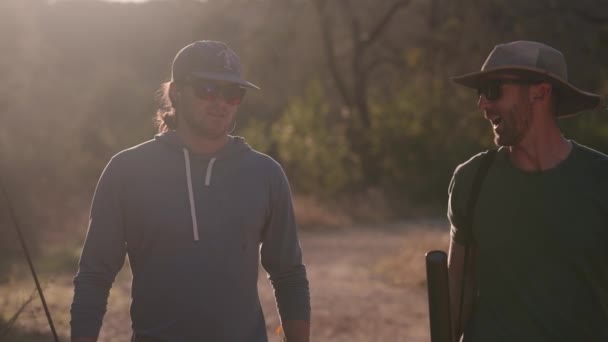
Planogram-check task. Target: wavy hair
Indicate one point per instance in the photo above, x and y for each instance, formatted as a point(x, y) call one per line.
point(166, 114)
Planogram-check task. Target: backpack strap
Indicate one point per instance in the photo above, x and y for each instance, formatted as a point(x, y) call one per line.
point(482, 171)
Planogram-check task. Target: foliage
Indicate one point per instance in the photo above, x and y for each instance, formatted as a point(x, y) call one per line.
point(79, 78)
point(314, 152)
point(424, 130)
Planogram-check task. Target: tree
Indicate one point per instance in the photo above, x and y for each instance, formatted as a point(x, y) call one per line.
point(353, 59)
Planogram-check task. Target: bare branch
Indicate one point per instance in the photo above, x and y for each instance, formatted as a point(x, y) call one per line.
point(383, 23)
point(330, 52)
point(355, 94)
point(355, 25)
point(590, 17)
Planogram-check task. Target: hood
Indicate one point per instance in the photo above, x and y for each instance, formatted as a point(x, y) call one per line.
point(234, 146)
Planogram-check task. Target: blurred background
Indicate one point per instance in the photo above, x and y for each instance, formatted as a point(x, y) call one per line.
point(356, 101)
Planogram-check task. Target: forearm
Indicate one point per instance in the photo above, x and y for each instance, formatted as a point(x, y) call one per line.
point(296, 330)
point(456, 295)
point(91, 293)
point(292, 294)
point(461, 301)
point(455, 283)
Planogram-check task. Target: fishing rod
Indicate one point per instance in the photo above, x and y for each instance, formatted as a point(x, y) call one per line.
point(29, 259)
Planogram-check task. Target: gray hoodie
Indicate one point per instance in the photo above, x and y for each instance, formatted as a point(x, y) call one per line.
point(194, 228)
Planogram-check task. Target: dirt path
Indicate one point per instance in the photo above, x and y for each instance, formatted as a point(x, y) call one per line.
point(351, 300)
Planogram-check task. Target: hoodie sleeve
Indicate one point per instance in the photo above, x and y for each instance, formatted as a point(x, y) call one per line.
point(102, 257)
point(281, 254)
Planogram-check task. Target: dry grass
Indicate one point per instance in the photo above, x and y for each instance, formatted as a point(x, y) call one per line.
point(310, 212)
point(407, 268)
point(370, 206)
point(32, 324)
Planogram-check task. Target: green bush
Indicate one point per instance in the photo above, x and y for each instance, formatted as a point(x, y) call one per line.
point(313, 150)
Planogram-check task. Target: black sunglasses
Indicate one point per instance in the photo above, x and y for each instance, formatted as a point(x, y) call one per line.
point(492, 89)
point(232, 94)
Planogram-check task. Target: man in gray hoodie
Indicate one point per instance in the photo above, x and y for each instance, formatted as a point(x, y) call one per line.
point(194, 209)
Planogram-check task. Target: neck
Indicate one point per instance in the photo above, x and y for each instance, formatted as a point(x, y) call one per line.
point(201, 144)
point(543, 148)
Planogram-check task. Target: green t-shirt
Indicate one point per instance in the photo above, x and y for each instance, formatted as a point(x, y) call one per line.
point(543, 248)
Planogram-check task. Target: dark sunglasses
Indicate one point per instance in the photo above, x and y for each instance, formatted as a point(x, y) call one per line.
point(207, 90)
point(492, 89)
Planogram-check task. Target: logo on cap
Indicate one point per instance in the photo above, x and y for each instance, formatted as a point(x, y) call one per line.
point(228, 58)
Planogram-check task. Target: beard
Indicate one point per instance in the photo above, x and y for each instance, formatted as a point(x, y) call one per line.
point(514, 126)
point(205, 127)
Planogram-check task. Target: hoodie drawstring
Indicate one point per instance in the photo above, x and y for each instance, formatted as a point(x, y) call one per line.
point(191, 192)
point(191, 195)
point(209, 171)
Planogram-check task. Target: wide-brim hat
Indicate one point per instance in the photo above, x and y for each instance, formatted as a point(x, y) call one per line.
point(536, 61)
point(211, 60)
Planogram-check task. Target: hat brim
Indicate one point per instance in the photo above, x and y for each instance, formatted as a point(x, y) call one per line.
point(218, 76)
point(571, 99)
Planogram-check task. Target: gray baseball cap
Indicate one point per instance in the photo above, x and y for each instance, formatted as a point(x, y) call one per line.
point(536, 61)
point(210, 60)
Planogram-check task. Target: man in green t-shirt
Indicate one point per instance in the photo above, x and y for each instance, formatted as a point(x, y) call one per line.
point(536, 245)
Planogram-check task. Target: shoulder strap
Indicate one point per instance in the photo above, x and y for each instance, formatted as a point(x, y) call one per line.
point(482, 171)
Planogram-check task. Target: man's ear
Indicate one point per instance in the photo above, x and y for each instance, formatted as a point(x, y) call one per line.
point(541, 91)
